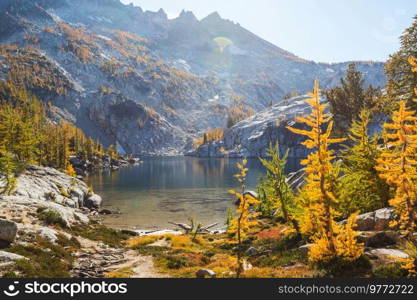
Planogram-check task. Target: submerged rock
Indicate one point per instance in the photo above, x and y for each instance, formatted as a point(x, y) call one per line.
point(105, 212)
point(203, 273)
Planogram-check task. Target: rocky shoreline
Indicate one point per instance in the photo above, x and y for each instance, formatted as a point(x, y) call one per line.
point(50, 206)
point(83, 167)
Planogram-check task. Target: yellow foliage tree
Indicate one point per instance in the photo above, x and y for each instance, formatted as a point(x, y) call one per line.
point(239, 226)
point(317, 197)
point(70, 170)
point(397, 164)
point(346, 244)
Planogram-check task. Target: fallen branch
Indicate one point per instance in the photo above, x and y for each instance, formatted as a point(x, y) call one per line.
point(206, 228)
point(188, 228)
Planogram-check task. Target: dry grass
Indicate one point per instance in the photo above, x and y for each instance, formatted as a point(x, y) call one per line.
point(122, 273)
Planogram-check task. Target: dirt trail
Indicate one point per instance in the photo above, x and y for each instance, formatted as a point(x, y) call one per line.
point(96, 260)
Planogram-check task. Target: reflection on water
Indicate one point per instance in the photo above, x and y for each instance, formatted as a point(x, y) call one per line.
point(166, 189)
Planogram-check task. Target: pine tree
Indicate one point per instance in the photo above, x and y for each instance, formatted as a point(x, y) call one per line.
point(89, 146)
point(397, 165)
point(402, 81)
point(361, 188)
point(348, 100)
point(278, 195)
point(7, 170)
point(112, 152)
point(239, 226)
point(17, 134)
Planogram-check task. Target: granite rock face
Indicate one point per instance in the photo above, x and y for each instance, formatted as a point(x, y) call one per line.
point(54, 187)
point(251, 137)
point(45, 190)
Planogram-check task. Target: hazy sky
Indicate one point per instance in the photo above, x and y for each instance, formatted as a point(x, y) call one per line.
point(320, 30)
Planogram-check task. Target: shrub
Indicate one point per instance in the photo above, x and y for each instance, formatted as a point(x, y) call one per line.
point(64, 193)
point(177, 262)
point(393, 270)
point(97, 232)
point(50, 196)
point(51, 217)
point(276, 192)
point(277, 260)
point(44, 258)
point(122, 273)
point(49, 30)
point(410, 264)
point(82, 52)
point(338, 267)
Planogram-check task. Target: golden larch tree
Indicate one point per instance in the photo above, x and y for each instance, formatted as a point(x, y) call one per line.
point(397, 164)
point(239, 226)
point(319, 167)
point(317, 197)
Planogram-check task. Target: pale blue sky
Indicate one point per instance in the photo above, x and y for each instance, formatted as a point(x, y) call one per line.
point(319, 30)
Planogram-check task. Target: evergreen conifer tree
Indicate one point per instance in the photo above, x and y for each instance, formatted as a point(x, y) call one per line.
point(361, 188)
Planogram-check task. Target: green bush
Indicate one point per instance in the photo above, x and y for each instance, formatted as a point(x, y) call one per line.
point(341, 268)
point(51, 217)
point(280, 259)
point(177, 262)
point(393, 270)
point(97, 232)
point(44, 258)
point(64, 193)
point(50, 196)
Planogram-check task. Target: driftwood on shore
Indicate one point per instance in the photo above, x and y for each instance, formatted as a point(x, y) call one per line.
point(189, 228)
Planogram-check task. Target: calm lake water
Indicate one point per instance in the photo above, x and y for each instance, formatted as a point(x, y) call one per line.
point(173, 189)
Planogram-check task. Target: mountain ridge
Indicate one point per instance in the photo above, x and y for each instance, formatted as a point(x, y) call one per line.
point(187, 78)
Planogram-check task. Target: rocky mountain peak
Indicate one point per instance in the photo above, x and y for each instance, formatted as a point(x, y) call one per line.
point(187, 16)
point(161, 13)
point(214, 16)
